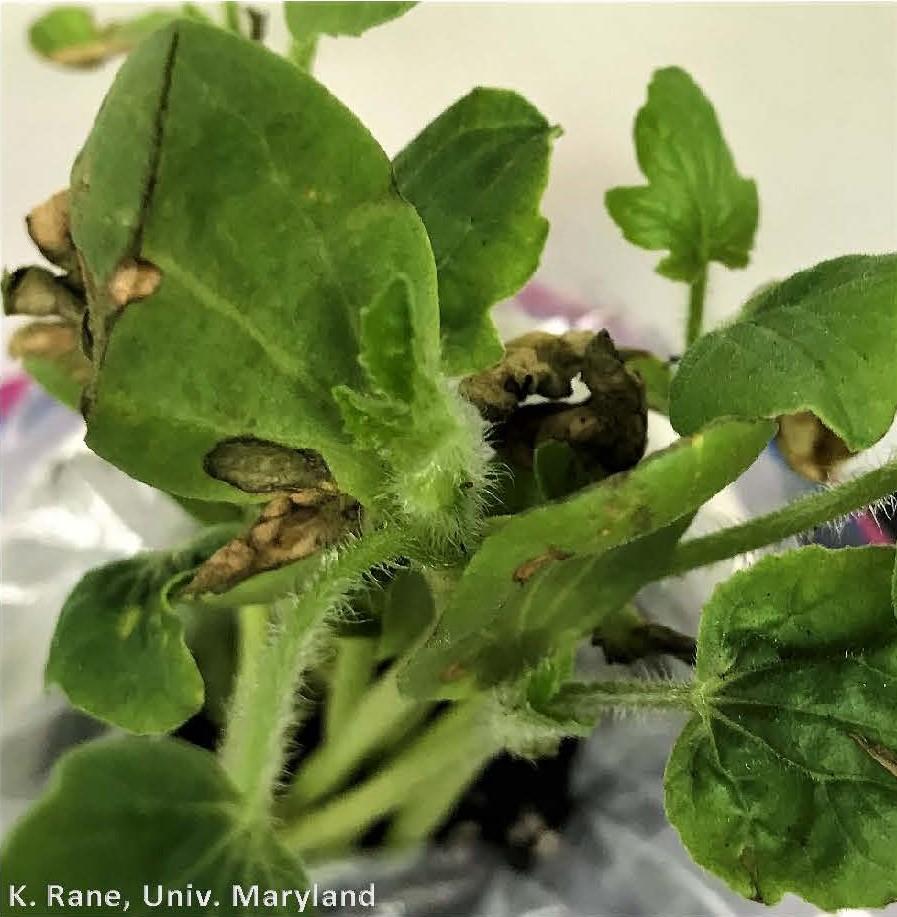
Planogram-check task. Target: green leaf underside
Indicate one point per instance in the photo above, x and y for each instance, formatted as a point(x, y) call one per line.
point(118, 650)
point(696, 205)
point(54, 379)
point(621, 509)
point(307, 17)
point(823, 340)
point(272, 215)
point(126, 813)
point(476, 176)
point(787, 780)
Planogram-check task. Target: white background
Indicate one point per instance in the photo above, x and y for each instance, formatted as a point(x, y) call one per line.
point(805, 93)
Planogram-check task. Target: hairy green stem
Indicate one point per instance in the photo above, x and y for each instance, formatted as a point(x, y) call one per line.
point(353, 667)
point(799, 516)
point(455, 737)
point(696, 295)
point(264, 707)
point(632, 694)
point(381, 712)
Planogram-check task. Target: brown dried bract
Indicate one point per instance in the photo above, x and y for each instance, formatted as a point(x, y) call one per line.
point(134, 279)
point(56, 342)
point(38, 292)
point(291, 527)
point(809, 446)
point(50, 229)
point(258, 466)
point(534, 364)
point(608, 430)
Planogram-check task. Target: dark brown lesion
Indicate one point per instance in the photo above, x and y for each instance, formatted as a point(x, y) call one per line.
point(608, 430)
point(257, 466)
point(291, 527)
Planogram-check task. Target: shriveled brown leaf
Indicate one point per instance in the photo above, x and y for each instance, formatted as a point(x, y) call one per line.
point(289, 528)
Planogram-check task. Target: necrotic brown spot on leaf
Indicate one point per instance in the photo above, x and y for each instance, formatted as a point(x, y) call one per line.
point(879, 753)
point(256, 466)
point(134, 279)
point(529, 569)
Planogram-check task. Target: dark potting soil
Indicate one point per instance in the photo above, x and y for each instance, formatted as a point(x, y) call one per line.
point(516, 806)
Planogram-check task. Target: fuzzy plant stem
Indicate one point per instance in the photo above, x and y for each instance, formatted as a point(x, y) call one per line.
point(263, 711)
point(798, 516)
point(451, 741)
point(696, 294)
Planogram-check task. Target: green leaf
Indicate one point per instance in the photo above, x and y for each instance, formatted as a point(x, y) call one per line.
point(656, 374)
point(118, 651)
point(281, 242)
point(129, 813)
point(695, 204)
point(69, 35)
point(476, 176)
point(308, 18)
point(823, 341)
point(406, 610)
point(55, 378)
point(558, 470)
point(559, 542)
point(786, 779)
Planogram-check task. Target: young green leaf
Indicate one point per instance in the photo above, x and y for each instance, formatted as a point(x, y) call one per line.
point(553, 610)
point(69, 35)
point(476, 176)
point(823, 341)
point(696, 205)
point(118, 651)
point(268, 257)
point(661, 490)
point(143, 817)
point(786, 779)
point(339, 18)
point(656, 374)
point(406, 610)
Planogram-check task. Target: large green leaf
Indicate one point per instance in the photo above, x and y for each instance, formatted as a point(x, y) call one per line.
point(562, 536)
point(283, 246)
point(308, 18)
point(696, 205)
point(130, 815)
point(823, 341)
point(476, 176)
point(118, 651)
point(786, 779)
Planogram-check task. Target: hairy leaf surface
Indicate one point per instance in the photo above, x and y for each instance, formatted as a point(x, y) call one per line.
point(476, 176)
point(562, 536)
point(786, 780)
point(823, 341)
point(695, 205)
point(126, 813)
point(118, 651)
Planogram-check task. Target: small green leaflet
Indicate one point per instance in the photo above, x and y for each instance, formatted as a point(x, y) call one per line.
point(823, 341)
point(308, 20)
point(476, 175)
point(306, 17)
point(656, 374)
point(274, 221)
point(785, 780)
point(696, 205)
point(661, 490)
point(70, 35)
point(118, 651)
point(128, 813)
